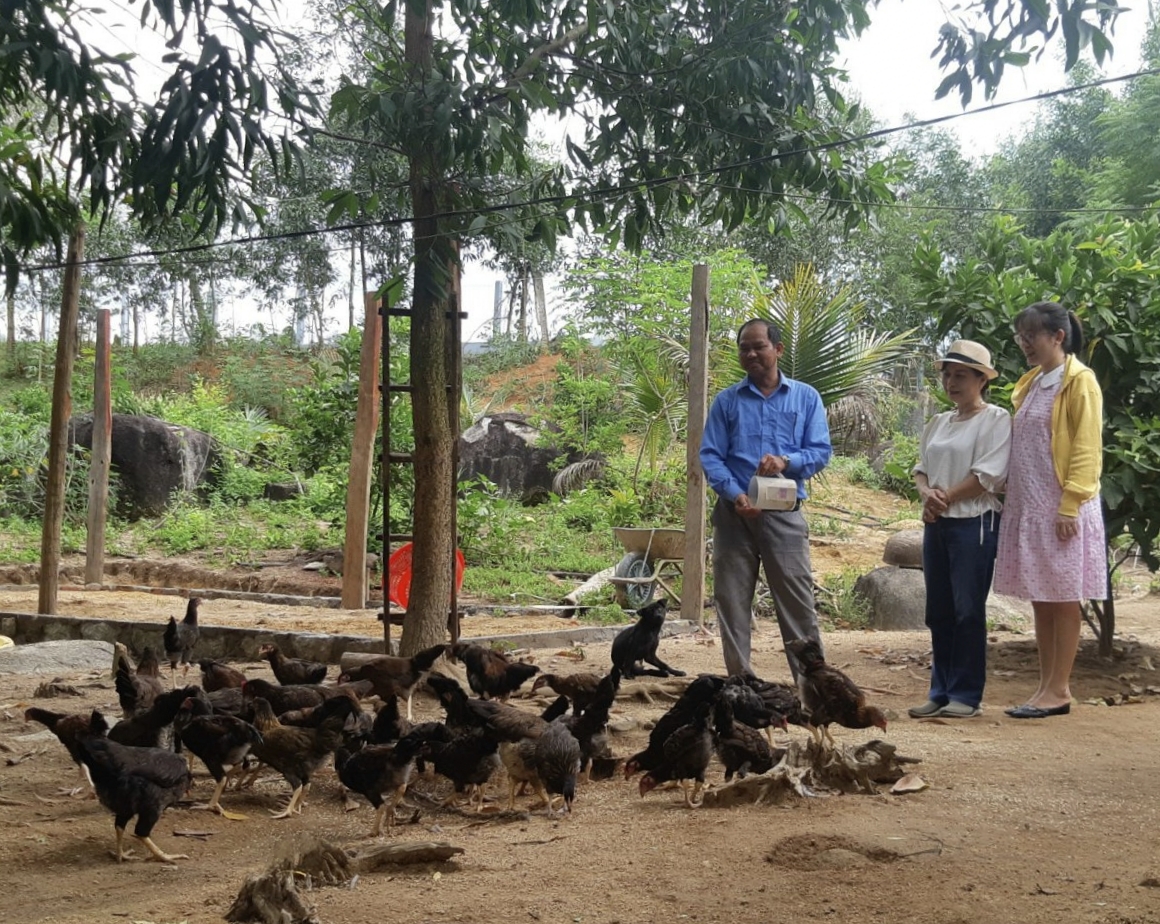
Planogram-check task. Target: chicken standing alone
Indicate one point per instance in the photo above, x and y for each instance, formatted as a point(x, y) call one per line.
point(181, 638)
point(828, 695)
point(292, 670)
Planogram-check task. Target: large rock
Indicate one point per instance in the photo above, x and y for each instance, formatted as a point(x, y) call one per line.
point(56, 657)
point(155, 460)
point(904, 549)
point(507, 449)
point(897, 598)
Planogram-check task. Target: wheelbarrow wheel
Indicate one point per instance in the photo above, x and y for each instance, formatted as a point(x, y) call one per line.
point(634, 565)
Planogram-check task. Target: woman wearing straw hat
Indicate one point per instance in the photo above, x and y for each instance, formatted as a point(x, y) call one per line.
point(961, 469)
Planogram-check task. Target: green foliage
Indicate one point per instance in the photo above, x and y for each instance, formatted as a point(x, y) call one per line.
point(502, 353)
point(585, 403)
point(839, 604)
point(1109, 273)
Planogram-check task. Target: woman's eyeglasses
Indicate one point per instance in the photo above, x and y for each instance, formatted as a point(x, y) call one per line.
point(1024, 339)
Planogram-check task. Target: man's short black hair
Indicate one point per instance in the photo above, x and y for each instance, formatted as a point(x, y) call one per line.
point(772, 330)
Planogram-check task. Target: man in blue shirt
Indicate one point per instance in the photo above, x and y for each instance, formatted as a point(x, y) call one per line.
point(767, 424)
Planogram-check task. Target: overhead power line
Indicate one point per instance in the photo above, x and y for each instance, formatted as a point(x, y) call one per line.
point(607, 192)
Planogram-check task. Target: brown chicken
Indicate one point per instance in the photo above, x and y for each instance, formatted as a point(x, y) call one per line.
point(68, 730)
point(492, 674)
point(217, 676)
point(292, 670)
point(830, 696)
point(138, 686)
point(501, 721)
point(580, 688)
point(285, 698)
point(297, 753)
point(391, 676)
point(181, 638)
point(135, 781)
point(220, 741)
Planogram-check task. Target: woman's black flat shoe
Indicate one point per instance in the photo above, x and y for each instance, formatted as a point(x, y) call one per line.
point(1037, 712)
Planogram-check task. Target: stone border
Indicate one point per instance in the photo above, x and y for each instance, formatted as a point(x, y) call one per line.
point(230, 643)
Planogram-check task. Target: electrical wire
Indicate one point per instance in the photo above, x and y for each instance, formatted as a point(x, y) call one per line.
point(608, 192)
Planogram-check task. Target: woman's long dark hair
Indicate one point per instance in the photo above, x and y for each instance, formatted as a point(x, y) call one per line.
point(1052, 317)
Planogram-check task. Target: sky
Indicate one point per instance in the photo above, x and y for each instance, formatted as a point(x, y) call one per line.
point(892, 72)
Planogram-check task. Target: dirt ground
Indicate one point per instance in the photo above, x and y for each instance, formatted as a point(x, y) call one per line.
point(1052, 820)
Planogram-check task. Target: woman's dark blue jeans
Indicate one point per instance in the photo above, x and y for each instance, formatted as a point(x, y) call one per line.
point(958, 560)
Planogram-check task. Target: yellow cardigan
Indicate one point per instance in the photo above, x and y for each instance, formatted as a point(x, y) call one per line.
point(1077, 422)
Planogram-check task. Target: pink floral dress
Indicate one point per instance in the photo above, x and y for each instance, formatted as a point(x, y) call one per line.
point(1031, 562)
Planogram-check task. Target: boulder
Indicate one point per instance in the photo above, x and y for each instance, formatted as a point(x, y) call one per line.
point(57, 657)
point(904, 549)
point(507, 449)
point(896, 596)
point(897, 601)
point(154, 459)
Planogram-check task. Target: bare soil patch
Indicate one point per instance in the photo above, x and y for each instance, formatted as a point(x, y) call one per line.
point(1055, 820)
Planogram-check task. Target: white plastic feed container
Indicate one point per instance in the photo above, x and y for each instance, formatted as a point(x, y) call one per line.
point(772, 493)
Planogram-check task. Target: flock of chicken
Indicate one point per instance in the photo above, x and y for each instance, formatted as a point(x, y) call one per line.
point(238, 727)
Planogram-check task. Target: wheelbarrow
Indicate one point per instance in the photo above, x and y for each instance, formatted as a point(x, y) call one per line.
point(654, 558)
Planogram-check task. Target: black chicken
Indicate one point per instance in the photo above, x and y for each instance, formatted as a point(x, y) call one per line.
point(389, 726)
point(148, 729)
point(221, 741)
point(492, 673)
point(781, 698)
point(637, 645)
point(830, 696)
point(135, 781)
point(702, 691)
point(467, 757)
point(377, 770)
point(741, 748)
point(685, 756)
point(504, 722)
point(588, 728)
point(750, 707)
point(181, 638)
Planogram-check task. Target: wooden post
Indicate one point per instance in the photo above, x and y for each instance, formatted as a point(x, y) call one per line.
point(693, 583)
point(102, 452)
point(358, 491)
point(58, 428)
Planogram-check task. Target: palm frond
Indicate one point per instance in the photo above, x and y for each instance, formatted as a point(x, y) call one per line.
point(574, 476)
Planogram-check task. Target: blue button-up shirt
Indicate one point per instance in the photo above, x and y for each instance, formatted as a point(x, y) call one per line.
point(745, 425)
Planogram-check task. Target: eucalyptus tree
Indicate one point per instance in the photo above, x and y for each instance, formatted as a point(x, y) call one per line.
point(673, 108)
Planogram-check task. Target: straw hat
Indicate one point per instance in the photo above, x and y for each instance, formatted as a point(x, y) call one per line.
point(969, 353)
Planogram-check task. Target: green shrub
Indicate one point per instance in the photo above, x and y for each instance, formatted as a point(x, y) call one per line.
point(839, 604)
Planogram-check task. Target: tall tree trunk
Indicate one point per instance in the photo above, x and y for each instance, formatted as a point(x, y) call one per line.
point(136, 327)
point(541, 308)
point(351, 292)
point(11, 329)
point(426, 621)
point(522, 334)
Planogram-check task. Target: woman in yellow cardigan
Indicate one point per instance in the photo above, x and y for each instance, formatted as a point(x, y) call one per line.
point(1051, 540)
